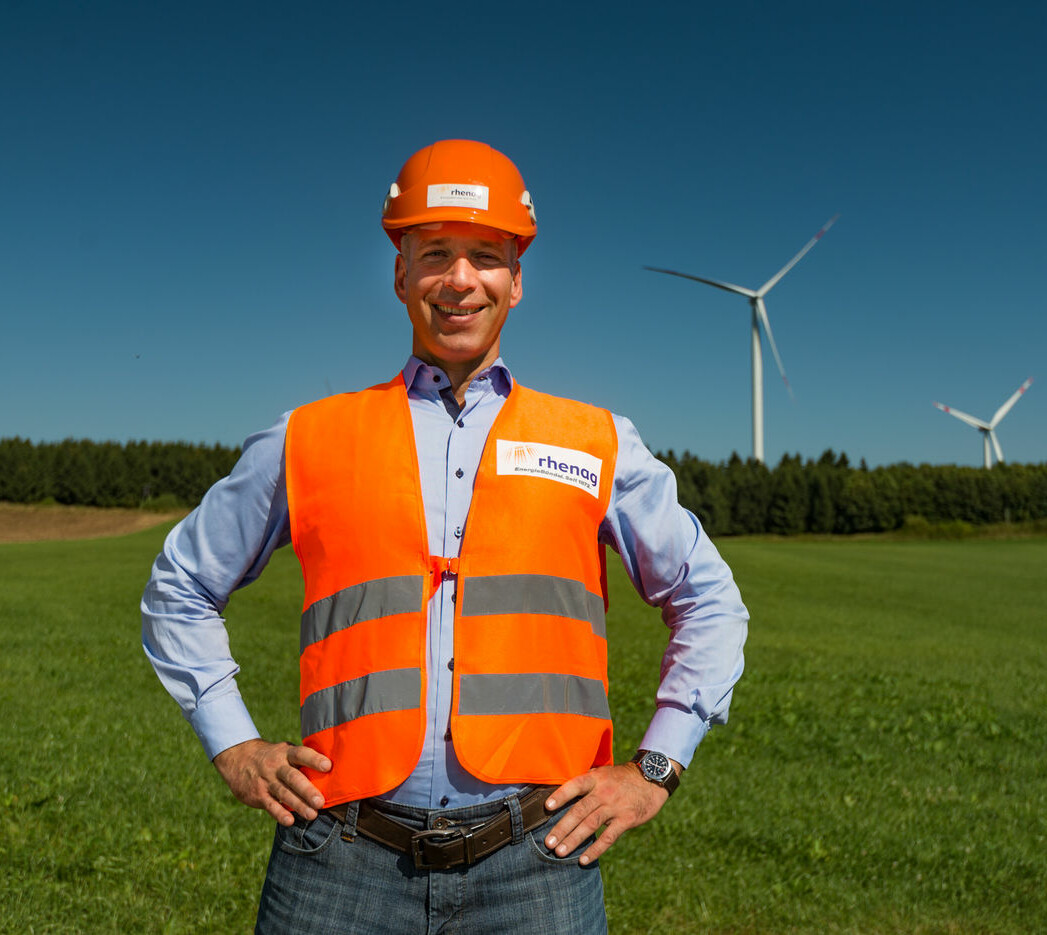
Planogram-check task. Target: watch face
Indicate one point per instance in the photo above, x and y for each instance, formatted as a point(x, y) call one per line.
point(655, 766)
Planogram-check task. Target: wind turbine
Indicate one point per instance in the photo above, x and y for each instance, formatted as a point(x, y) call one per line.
point(759, 317)
point(988, 428)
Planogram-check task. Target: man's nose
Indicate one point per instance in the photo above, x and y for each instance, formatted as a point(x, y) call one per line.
point(461, 274)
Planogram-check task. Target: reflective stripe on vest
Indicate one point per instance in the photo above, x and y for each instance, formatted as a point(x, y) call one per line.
point(530, 683)
point(368, 600)
point(534, 594)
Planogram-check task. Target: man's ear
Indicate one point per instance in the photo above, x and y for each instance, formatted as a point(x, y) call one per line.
point(400, 278)
point(516, 293)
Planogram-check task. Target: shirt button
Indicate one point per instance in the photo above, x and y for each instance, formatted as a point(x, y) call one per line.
point(461, 424)
point(447, 735)
point(436, 378)
point(450, 664)
point(459, 473)
point(458, 532)
point(444, 800)
point(454, 597)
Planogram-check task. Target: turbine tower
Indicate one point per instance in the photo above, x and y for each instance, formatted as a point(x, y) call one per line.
point(759, 317)
point(988, 429)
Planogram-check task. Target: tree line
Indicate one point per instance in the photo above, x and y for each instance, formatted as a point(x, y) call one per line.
point(736, 497)
point(830, 496)
point(110, 474)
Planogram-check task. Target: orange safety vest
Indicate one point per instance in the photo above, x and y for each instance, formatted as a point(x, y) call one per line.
point(530, 651)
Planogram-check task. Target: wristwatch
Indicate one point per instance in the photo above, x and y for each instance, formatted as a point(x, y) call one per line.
point(656, 768)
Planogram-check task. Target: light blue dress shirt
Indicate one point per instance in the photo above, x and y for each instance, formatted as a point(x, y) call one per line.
point(227, 540)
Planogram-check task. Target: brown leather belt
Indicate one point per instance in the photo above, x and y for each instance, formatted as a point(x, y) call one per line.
point(448, 844)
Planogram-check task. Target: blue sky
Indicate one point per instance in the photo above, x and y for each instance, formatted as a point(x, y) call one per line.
point(190, 196)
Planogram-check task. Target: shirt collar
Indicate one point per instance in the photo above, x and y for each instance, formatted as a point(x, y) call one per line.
point(427, 379)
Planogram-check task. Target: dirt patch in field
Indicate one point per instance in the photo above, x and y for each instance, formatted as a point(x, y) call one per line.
point(20, 522)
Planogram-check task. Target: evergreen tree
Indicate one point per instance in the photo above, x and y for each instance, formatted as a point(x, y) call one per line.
point(821, 510)
point(748, 491)
point(711, 506)
point(787, 509)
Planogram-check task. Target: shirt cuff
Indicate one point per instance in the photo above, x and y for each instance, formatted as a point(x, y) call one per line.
point(675, 733)
point(223, 723)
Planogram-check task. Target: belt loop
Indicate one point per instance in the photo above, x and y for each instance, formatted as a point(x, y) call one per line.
point(352, 810)
point(515, 817)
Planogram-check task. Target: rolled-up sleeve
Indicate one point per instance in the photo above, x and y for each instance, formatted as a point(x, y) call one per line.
point(222, 545)
point(675, 566)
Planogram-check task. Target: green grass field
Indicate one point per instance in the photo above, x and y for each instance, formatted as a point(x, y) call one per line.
point(883, 770)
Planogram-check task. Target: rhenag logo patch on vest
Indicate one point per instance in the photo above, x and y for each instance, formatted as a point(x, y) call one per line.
point(563, 465)
point(457, 196)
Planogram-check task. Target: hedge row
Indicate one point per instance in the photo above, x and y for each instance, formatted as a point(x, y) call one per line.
point(828, 495)
point(109, 474)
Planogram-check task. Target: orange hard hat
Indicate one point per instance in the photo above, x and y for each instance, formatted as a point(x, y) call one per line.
point(460, 180)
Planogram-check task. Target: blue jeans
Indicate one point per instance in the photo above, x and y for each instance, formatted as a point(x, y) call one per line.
point(325, 879)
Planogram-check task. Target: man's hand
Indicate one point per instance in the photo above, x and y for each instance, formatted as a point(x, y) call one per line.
point(266, 775)
point(615, 798)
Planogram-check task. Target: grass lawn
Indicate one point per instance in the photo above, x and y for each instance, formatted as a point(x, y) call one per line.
point(882, 771)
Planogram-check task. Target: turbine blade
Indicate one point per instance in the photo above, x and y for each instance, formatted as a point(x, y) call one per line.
point(726, 286)
point(1006, 407)
point(773, 281)
point(761, 312)
point(963, 417)
point(996, 445)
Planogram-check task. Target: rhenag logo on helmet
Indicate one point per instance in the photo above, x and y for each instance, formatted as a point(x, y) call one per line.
point(457, 196)
point(563, 465)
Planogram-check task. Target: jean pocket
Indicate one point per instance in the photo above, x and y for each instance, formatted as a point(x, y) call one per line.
point(536, 843)
point(306, 838)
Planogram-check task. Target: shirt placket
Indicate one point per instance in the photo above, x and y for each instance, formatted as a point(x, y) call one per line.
point(463, 455)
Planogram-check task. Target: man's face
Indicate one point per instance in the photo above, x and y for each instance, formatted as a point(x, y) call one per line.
point(458, 282)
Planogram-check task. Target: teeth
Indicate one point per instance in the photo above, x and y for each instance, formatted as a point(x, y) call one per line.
point(454, 310)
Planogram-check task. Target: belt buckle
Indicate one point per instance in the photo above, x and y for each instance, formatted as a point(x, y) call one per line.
point(439, 837)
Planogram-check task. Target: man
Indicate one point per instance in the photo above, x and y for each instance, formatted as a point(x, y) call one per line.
point(456, 756)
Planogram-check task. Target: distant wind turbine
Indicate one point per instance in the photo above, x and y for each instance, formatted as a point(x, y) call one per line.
point(988, 429)
point(759, 317)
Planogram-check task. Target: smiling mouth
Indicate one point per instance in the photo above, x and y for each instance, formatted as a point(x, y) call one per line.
point(454, 310)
